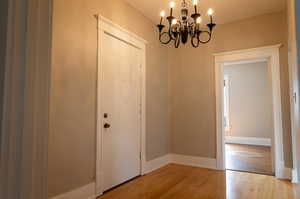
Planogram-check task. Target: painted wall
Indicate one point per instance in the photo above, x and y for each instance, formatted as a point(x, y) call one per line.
point(188, 110)
point(250, 100)
point(193, 124)
point(72, 139)
point(3, 36)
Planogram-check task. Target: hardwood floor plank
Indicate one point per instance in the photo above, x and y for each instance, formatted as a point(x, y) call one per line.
point(256, 159)
point(184, 182)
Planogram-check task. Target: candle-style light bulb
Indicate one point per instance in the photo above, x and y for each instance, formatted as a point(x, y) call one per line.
point(210, 12)
point(174, 21)
point(162, 15)
point(195, 2)
point(172, 5)
point(198, 20)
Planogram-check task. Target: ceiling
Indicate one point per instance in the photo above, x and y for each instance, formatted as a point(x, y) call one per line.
point(226, 11)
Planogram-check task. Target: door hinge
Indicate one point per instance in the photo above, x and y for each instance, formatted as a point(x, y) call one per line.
point(224, 83)
point(140, 155)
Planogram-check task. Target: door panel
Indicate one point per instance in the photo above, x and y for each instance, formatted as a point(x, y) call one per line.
point(121, 101)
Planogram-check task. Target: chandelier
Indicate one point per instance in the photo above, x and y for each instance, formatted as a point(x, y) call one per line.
point(180, 30)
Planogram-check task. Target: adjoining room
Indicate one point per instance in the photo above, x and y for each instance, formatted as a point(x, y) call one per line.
point(248, 117)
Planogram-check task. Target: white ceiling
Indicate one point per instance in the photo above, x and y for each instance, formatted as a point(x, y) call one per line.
point(225, 10)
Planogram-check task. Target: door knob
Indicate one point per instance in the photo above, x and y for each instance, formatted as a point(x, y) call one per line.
point(106, 125)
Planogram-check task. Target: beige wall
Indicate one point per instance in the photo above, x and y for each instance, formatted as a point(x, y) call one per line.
point(73, 91)
point(250, 100)
point(193, 130)
point(191, 100)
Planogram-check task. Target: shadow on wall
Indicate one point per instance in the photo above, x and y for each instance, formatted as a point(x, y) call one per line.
point(3, 36)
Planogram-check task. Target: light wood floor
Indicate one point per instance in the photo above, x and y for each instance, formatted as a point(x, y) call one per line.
point(184, 182)
point(256, 159)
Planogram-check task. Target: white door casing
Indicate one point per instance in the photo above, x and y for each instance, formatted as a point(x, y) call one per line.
point(126, 84)
point(294, 87)
point(271, 54)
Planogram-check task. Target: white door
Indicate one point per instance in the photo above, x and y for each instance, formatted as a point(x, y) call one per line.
point(120, 104)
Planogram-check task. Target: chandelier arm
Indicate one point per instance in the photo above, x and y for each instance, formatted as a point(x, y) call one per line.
point(177, 41)
point(160, 38)
point(192, 41)
point(171, 34)
point(208, 40)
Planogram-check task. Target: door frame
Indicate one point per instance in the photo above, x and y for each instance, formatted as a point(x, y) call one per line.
point(227, 97)
point(271, 54)
point(106, 26)
point(294, 86)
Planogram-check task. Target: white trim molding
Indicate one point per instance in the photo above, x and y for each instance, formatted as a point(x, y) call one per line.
point(187, 160)
point(271, 54)
point(157, 163)
point(194, 161)
point(248, 140)
point(287, 173)
point(106, 26)
point(295, 176)
point(84, 192)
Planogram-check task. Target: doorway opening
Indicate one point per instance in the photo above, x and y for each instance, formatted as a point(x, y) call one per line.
point(248, 117)
point(270, 56)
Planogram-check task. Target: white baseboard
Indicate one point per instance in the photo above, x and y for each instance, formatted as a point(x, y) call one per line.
point(180, 159)
point(157, 163)
point(194, 161)
point(248, 140)
point(287, 173)
point(283, 172)
point(88, 191)
point(85, 192)
point(295, 176)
